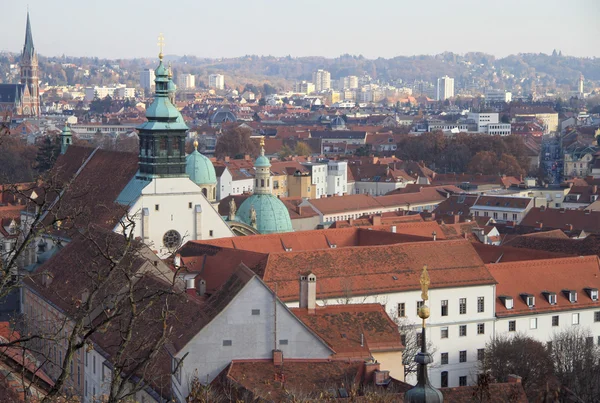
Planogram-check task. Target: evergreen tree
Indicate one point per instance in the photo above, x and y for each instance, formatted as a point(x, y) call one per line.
point(47, 153)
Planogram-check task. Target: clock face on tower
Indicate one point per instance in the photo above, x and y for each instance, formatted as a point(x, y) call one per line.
point(172, 239)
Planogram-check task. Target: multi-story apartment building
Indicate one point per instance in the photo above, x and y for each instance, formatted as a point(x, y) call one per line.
point(337, 177)
point(117, 92)
point(503, 208)
point(322, 80)
point(216, 81)
point(318, 174)
point(304, 87)
point(147, 78)
point(186, 81)
point(498, 96)
point(445, 88)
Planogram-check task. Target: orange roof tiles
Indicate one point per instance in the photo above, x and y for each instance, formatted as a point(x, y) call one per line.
point(552, 275)
point(342, 204)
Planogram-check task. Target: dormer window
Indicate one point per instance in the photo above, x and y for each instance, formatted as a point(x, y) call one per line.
point(508, 302)
point(529, 300)
point(551, 297)
point(593, 293)
point(571, 295)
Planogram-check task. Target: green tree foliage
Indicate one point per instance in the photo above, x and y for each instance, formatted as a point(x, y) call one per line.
point(100, 106)
point(236, 142)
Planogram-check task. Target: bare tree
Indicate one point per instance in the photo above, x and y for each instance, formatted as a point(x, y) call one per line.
point(577, 364)
point(410, 333)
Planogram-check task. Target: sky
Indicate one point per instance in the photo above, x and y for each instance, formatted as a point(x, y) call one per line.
point(372, 28)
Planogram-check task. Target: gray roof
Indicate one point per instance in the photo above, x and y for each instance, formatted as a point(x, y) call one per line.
point(11, 93)
point(341, 134)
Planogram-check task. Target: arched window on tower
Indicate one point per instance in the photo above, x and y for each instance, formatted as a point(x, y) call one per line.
point(262, 183)
point(204, 192)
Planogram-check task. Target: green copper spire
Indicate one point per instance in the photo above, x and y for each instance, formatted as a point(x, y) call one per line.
point(66, 138)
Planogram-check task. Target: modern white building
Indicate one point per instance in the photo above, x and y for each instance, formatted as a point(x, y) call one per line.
point(482, 120)
point(147, 78)
point(322, 80)
point(348, 82)
point(445, 88)
point(304, 87)
point(117, 92)
point(216, 81)
point(498, 96)
point(337, 177)
point(318, 173)
point(186, 81)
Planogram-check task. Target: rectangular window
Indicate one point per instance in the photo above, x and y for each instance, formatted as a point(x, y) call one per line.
point(512, 325)
point(462, 330)
point(283, 342)
point(480, 354)
point(444, 334)
point(444, 380)
point(575, 319)
point(514, 217)
point(256, 312)
point(597, 316)
point(481, 328)
point(495, 216)
point(462, 381)
point(462, 356)
point(156, 207)
point(505, 216)
point(190, 205)
point(419, 305)
point(462, 306)
point(485, 214)
point(87, 355)
point(555, 320)
point(210, 233)
point(227, 343)
point(533, 323)
point(103, 374)
point(444, 359)
point(401, 310)
point(445, 307)
point(480, 304)
point(94, 363)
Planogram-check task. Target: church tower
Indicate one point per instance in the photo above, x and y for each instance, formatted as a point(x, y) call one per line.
point(29, 75)
point(162, 137)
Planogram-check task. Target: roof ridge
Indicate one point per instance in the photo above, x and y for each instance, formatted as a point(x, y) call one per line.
point(540, 262)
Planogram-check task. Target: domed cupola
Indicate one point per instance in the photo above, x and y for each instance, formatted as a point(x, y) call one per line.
point(262, 210)
point(338, 123)
point(202, 172)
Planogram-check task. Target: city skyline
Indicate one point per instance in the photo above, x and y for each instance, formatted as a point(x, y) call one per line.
point(122, 30)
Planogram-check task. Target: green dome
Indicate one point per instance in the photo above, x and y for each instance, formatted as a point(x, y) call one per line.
point(262, 162)
point(171, 87)
point(200, 169)
point(271, 214)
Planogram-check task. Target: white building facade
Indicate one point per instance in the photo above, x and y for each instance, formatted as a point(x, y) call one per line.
point(445, 88)
point(216, 81)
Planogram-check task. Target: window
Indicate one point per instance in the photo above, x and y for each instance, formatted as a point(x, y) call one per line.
point(480, 354)
point(94, 364)
point(533, 323)
point(597, 316)
point(481, 328)
point(156, 207)
point(462, 306)
point(444, 359)
point(512, 325)
point(444, 334)
point(462, 381)
point(495, 216)
point(444, 380)
point(555, 320)
point(462, 330)
point(283, 342)
point(227, 343)
point(575, 319)
point(419, 305)
point(256, 312)
point(445, 307)
point(530, 301)
point(480, 304)
point(462, 356)
point(514, 217)
point(190, 205)
point(485, 214)
point(103, 374)
point(87, 355)
point(401, 310)
point(210, 233)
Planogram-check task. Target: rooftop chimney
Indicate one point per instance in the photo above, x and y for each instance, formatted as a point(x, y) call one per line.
point(377, 219)
point(540, 225)
point(201, 287)
point(190, 285)
point(434, 234)
point(308, 292)
point(393, 229)
point(370, 368)
point(277, 358)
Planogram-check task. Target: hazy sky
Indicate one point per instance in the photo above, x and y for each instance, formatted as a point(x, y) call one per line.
point(373, 28)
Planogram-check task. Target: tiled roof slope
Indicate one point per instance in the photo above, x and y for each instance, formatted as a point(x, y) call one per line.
point(341, 326)
point(387, 219)
point(502, 202)
point(581, 220)
point(424, 196)
point(341, 204)
point(376, 269)
point(552, 275)
point(503, 254)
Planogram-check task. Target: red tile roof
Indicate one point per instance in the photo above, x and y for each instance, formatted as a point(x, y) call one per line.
point(503, 254)
point(553, 275)
point(503, 202)
point(344, 204)
point(425, 195)
point(580, 220)
point(341, 327)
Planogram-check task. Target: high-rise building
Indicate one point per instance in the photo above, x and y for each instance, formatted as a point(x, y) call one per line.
point(147, 78)
point(186, 81)
point(580, 85)
point(445, 88)
point(216, 81)
point(322, 80)
point(304, 87)
point(24, 98)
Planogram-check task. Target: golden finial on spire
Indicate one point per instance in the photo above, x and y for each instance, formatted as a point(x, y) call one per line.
point(262, 141)
point(196, 144)
point(161, 44)
point(424, 283)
